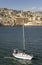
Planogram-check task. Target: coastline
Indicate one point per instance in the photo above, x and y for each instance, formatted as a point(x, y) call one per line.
point(34, 25)
point(22, 25)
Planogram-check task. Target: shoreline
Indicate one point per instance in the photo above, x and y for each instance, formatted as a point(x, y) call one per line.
point(22, 25)
point(34, 25)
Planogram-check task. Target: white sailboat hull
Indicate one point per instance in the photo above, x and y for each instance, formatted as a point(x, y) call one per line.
point(22, 56)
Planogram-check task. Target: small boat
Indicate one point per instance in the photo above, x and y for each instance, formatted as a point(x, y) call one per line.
point(22, 55)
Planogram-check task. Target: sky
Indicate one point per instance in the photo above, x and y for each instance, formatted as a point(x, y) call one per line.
point(33, 5)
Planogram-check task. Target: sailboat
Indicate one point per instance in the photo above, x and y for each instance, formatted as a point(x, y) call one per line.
point(22, 55)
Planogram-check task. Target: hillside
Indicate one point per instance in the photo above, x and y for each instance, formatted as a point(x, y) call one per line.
point(9, 17)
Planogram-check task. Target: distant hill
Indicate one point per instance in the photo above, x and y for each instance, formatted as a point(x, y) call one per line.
point(7, 16)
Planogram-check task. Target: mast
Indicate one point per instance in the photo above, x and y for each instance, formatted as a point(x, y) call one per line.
point(23, 37)
point(23, 31)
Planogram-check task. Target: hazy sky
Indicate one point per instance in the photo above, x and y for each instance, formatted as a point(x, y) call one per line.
point(21, 4)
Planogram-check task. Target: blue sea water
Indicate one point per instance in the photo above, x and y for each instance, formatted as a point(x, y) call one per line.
point(12, 37)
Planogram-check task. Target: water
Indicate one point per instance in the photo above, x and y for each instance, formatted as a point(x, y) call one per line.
point(11, 38)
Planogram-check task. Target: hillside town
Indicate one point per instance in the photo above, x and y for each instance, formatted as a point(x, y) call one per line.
point(10, 17)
